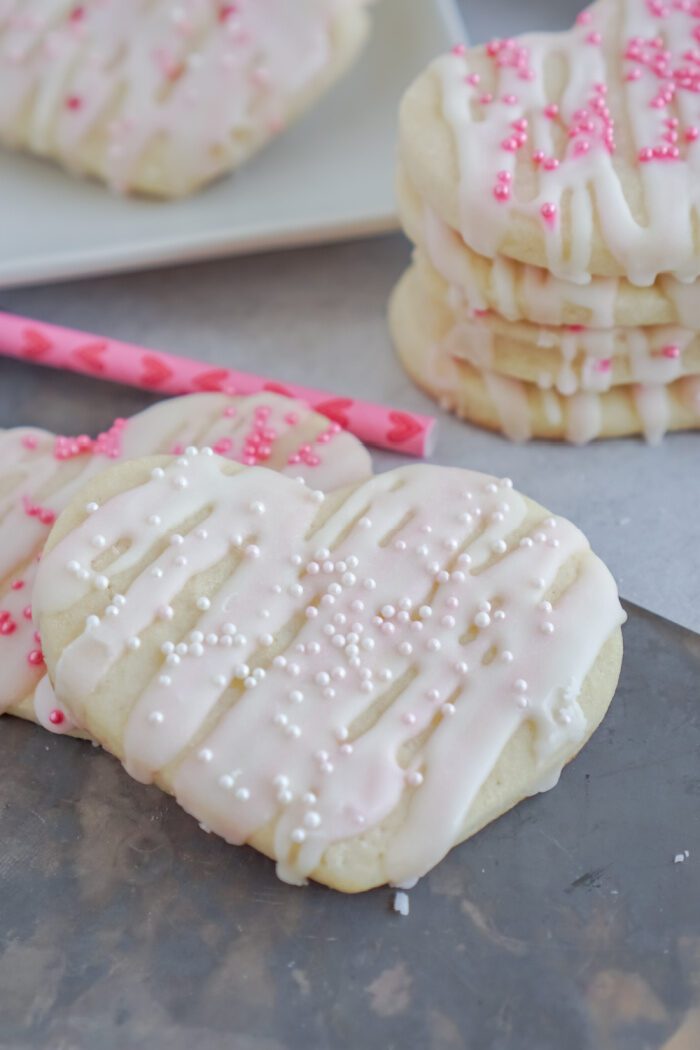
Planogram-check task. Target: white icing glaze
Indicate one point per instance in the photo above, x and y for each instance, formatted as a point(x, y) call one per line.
point(584, 418)
point(654, 411)
point(201, 77)
point(616, 72)
point(365, 705)
point(264, 429)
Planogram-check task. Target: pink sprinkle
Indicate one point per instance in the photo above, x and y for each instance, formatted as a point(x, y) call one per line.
point(35, 658)
point(582, 147)
point(27, 612)
point(692, 134)
point(551, 164)
point(671, 351)
point(56, 717)
point(604, 365)
point(584, 19)
point(291, 418)
point(633, 74)
point(17, 585)
point(501, 192)
point(70, 447)
point(230, 411)
point(74, 102)
point(510, 100)
point(504, 176)
point(594, 38)
point(646, 154)
point(486, 99)
point(77, 14)
point(29, 443)
point(549, 212)
point(474, 79)
point(538, 156)
point(551, 112)
point(226, 11)
point(459, 49)
point(510, 145)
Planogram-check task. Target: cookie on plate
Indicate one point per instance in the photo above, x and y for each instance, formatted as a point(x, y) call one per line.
point(161, 98)
point(41, 473)
point(351, 684)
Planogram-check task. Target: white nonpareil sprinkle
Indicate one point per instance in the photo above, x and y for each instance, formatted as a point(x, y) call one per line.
point(401, 903)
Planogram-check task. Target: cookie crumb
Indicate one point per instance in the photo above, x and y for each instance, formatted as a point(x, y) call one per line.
point(401, 903)
point(680, 858)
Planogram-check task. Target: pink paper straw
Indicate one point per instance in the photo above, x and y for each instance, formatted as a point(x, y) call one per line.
point(93, 355)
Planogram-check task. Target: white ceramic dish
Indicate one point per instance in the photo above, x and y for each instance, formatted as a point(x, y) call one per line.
point(329, 177)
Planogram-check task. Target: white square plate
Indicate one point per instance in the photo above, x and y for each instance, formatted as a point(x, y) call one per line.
point(329, 177)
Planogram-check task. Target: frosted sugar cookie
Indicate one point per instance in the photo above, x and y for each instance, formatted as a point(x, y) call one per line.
point(523, 410)
point(161, 97)
point(568, 359)
point(519, 292)
point(41, 472)
point(352, 684)
point(574, 152)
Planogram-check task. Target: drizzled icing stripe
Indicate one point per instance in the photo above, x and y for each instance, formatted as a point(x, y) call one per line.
point(557, 173)
point(306, 684)
point(159, 95)
point(41, 473)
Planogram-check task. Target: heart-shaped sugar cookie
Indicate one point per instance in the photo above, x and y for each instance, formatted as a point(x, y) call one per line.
point(353, 683)
point(42, 472)
point(160, 98)
point(577, 152)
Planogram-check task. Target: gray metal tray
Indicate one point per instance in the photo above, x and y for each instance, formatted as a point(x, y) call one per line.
point(566, 925)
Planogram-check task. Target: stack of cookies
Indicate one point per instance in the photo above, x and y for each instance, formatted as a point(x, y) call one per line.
point(551, 185)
